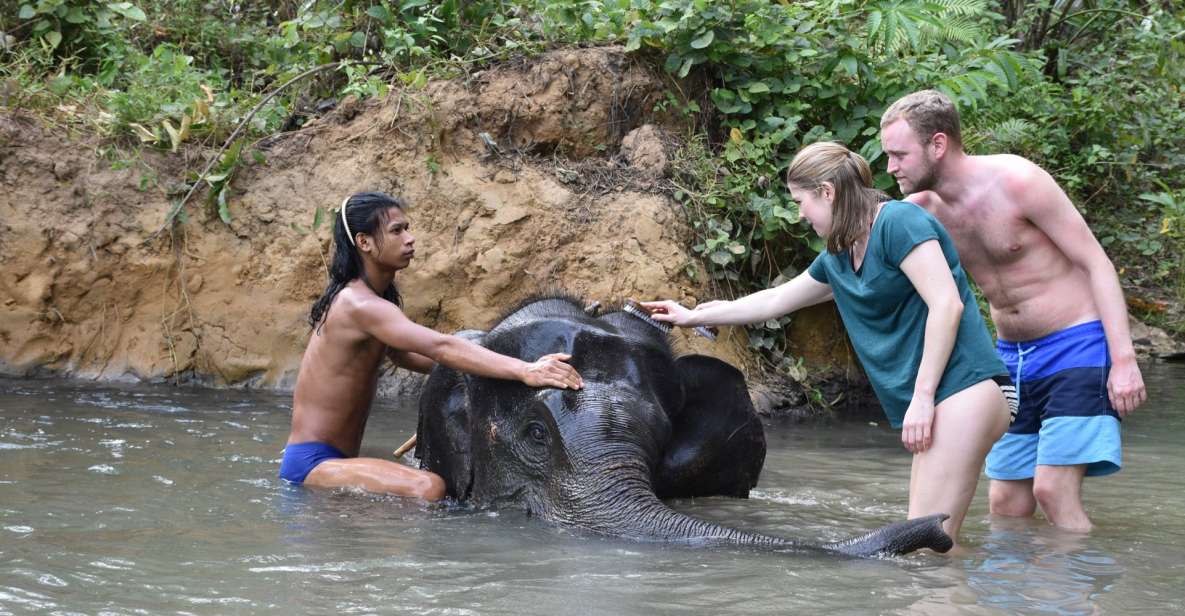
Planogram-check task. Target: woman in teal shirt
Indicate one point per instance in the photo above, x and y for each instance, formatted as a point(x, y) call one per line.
point(904, 298)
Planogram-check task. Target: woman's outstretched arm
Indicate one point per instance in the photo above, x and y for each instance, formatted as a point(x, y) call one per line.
point(785, 298)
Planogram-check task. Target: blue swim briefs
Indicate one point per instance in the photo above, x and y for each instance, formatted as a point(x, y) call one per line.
point(1064, 416)
point(301, 458)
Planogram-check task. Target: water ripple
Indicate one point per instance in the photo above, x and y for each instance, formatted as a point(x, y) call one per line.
point(113, 564)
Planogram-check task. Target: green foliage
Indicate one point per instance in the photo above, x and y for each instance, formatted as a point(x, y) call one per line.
point(783, 75)
point(78, 27)
point(1105, 120)
point(1090, 90)
point(1082, 91)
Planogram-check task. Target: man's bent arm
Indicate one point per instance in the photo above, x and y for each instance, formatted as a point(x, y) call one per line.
point(1045, 204)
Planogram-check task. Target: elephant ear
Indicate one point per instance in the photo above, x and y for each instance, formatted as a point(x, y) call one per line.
point(442, 434)
point(717, 444)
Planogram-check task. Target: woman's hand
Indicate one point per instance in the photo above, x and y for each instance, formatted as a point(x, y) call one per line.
point(668, 311)
point(917, 431)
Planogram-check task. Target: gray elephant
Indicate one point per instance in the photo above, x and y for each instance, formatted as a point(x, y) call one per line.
point(646, 426)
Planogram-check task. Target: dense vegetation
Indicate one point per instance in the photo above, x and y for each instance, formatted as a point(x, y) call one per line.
point(1090, 89)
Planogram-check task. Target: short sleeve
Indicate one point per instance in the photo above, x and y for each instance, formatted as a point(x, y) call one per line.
point(818, 269)
point(905, 226)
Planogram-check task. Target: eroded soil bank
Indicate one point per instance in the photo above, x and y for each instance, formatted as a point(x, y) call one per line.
point(89, 288)
point(533, 177)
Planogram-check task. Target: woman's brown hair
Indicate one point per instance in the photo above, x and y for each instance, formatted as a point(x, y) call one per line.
point(850, 177)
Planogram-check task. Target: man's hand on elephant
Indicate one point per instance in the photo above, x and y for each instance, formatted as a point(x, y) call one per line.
point(668, 311)
point(552, 371)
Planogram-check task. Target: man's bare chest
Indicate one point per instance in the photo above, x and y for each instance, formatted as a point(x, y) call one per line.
point(989, 236)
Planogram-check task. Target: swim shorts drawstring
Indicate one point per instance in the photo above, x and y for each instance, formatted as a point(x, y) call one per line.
point(1020, 364)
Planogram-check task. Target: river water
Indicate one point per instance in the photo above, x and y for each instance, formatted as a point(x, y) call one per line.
point(150, 500)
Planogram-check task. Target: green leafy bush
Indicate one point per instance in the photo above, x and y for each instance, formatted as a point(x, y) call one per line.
point(1091, 90)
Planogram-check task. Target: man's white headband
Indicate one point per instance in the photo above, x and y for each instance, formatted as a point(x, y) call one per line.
point(346, 225)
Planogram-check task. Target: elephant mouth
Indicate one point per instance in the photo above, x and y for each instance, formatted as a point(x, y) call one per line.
point(514, 498)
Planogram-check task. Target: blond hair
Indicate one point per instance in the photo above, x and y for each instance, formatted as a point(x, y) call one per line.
point(927, 112)
point(854, 205)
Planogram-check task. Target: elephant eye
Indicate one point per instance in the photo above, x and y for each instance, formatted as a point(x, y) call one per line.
point(537, 432)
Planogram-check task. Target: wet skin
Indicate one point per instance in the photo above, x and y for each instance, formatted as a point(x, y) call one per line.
point(339, 371)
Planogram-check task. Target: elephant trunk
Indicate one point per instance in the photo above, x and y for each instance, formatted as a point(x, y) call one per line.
point(632, 511)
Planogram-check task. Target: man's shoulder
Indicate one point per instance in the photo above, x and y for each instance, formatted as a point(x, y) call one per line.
point(357, 302)
point(1014, 174)
point(927, 199)
point(348, 300)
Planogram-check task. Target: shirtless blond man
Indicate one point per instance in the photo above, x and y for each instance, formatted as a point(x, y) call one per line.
point(356, 323)
point(1054, 297)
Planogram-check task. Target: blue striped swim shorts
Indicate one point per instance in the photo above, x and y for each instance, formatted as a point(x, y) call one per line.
point(1064, 415)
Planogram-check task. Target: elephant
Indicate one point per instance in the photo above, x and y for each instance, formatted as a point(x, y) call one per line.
point(647, 425)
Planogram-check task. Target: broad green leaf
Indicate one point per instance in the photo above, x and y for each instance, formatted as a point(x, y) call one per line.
point(76, 15)
point(703, 40)
point(26, 12)
point(849, 65)
point(54, 38)
point(635, 41)
point(758, 87)
point(1164, 199)
point(223, 206)
point(127, 9)
point(358, 39)
point(673, 62)
point(291, 32)
point(380, 13)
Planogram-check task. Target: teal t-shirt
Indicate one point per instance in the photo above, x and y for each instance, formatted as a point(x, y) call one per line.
point(886, 317)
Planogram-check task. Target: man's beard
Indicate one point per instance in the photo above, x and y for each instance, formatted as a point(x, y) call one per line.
point(928, 180)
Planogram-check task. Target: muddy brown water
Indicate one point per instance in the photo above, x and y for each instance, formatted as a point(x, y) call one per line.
point(151, 499)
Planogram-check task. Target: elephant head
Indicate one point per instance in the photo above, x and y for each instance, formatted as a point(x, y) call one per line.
point(646, 426)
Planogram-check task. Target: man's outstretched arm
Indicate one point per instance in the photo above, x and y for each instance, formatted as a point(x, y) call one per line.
point(411, 361)
point(385, 321)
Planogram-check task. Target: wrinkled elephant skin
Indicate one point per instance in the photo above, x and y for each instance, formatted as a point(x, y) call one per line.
point(646, 426)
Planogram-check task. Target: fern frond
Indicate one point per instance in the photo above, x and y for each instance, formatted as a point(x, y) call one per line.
point(963, 8)
point(1013, 131)
point(962, 30)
